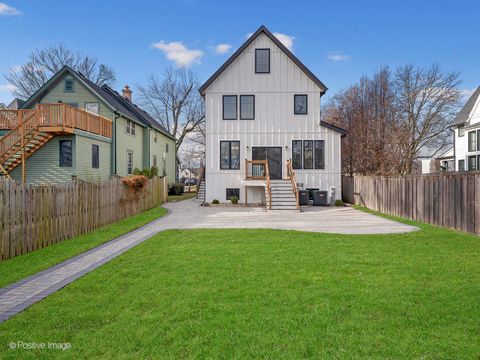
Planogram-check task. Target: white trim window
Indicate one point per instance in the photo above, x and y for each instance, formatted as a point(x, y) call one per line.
point(130, 127)
point(92, 107)
point(129, 162)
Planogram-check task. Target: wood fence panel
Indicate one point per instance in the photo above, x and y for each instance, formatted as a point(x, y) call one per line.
point(33, 217)
point(450, 200)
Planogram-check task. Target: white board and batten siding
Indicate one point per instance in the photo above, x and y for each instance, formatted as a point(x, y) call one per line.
point(275, 124)
point(461, 142)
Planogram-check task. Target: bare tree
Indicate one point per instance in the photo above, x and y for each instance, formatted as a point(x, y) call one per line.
point(426, 101)
point(43, 63)
point(175, 102)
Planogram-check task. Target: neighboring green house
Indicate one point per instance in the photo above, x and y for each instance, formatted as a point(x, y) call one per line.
point(136, 140)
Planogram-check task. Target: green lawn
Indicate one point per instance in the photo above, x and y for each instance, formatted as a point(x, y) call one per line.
point(20, 267)
point(184, 196)
point(268, 294)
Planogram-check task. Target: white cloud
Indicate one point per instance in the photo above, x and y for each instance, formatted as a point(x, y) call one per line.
point(7, 88)
point(285, 39)
point(466, 93)
point(223, 49)
point(179, 53)
point(8, 10)
point(338, 57)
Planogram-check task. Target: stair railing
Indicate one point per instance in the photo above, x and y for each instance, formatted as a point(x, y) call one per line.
point(269, 189)
point(15, 137)
point(293, 180)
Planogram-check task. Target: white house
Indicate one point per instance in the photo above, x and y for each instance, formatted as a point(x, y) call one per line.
point(444, 162)
point(264, 104)
point(466, 127)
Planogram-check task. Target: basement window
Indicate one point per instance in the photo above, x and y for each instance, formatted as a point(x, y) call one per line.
point(233, 192)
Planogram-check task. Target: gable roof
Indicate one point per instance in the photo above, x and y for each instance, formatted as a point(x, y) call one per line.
point(263, 30)
point(463, 114)
point(343, 132)
point(114, 100)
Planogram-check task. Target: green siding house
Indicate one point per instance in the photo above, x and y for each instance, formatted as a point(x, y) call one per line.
point(137, 140)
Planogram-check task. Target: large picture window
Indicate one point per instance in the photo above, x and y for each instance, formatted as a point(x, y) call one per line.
point(66, 153)
point(262, 61)
point(472, 141)
point(229, 155)
point(297, 154)
point(229, 107)
point(300, 103)
point(247, 107)
point(319, 154)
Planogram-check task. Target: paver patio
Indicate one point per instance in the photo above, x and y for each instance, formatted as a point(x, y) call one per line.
point(189, 215)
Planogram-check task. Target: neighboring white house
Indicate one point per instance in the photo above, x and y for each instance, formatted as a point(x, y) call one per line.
point(444, 162)
point(264, 104)
point(466, 128)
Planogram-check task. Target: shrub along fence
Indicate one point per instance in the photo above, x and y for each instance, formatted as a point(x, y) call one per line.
point(450, 200)
point(34, 217)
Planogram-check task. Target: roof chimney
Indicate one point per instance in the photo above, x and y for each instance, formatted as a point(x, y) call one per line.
point(127, 93)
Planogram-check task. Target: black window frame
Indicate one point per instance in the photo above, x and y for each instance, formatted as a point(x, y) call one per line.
point(474, 162)
point(319, 166)
point(295, 112)
point(473, 143)
point(304, 151)
point(253, 112)
point(65, 89)
point(230, 142)
point(295, 165)
point(461, 130)
point(95, 156)
point(62, 160)
point(269, 61)
point(166, 147)
point(232, 189)
point(223, 107)
point(478, 140)
point(461, 165)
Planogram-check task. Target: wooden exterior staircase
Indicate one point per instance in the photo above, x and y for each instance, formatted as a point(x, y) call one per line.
point(32, 129)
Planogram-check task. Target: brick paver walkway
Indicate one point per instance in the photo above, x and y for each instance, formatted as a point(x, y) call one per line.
point(188, 215)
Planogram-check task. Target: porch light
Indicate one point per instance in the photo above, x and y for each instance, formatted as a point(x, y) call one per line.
point(247, 148)
point(286, 147)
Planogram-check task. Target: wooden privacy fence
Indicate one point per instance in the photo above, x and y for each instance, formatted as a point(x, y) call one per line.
point(34, 217)
point(451, 200)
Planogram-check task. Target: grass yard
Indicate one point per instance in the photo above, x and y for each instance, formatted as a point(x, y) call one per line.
point(268, 294)
point(20, 267)
point(184, 196)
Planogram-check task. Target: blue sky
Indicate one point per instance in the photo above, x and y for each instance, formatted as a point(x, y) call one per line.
point(338, 40)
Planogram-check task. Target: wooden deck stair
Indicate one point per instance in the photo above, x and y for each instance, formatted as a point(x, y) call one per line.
point(30, 130)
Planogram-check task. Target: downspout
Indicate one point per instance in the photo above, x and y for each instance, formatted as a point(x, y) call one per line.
point(454, 150)
point(114, 143)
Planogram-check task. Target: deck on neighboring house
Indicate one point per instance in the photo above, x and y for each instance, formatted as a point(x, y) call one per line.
point(30, 129)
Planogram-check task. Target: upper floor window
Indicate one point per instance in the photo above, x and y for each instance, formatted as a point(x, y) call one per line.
point(247, 107)
point(262, 61)
point(95, 156)
point(461, 165)
point(229, 107)
point(297, 154)
point(130, 127)
point(155, 138)
point(92, 107)
point(66, 153)
point(472, 140)
point(166, 147)
point(461, 130)
point(300, 103)
point(69, 86)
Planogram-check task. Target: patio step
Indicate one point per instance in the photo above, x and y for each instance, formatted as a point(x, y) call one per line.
point(283, 197)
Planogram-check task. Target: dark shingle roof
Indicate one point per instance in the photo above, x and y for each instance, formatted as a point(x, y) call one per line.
point(462, 115)
point(264, 30)
point(113, 99)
